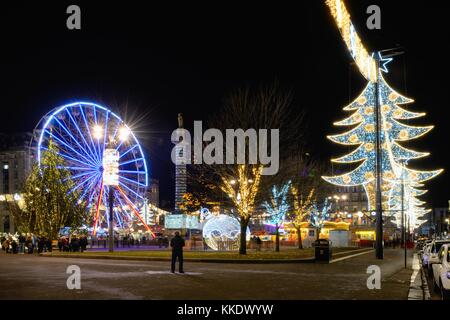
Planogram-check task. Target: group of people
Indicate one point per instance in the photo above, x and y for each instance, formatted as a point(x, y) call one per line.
point(72, 244)
point(132, 240)
point(163, 241)
point(392, 243)
point(25, 243)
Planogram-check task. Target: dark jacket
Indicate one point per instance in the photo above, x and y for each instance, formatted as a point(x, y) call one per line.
point(177, 243)
point(83, 241)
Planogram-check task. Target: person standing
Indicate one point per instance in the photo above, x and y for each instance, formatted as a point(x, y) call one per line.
point(41, 244)
point(29, 244)
point(5, 245)
point(177, 244)
point(258, 243)
point(34, 241)
point(48, 244)
point(83, 243)
point(60, 244)
point(22, 240)
point(14, 246)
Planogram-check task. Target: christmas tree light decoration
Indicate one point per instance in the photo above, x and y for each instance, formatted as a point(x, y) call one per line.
point(393, 132)
point(378, 101)
point(365, 61)
point(412, 207)
point(383, 62)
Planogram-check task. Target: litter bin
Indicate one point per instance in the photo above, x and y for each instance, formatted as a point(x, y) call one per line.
point(322, 250)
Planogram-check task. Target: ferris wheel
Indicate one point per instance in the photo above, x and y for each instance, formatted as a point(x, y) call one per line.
point(101, 152)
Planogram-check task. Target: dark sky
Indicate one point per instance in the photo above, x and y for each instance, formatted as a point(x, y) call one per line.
point(157, 60)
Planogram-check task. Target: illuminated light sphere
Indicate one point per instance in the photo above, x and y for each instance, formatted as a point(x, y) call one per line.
point(223, 232)
point(84, 133)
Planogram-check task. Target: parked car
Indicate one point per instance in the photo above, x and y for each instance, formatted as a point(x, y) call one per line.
point(441, 272)
point(433, 254)
point(421, 244)
point(425, 253)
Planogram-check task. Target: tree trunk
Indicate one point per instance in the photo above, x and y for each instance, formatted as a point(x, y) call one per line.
point(277, 238)
point(243, 236)
point(299, 236)
point(318, 233)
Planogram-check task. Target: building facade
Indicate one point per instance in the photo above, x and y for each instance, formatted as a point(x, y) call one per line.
point(15, 165)
point(436, 223)
point(351, 199)
point(180, 167)
point(153, 192)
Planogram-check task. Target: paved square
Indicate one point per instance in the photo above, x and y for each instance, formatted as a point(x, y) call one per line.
point(33, 277)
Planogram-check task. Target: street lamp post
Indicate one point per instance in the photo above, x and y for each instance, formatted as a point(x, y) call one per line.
point(378, 167)
point(111, 219)
point(403, 215)
point(111, 180)
point(338, 208)
point(110, 177)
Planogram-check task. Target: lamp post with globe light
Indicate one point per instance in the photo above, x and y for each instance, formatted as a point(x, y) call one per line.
point(110, 168)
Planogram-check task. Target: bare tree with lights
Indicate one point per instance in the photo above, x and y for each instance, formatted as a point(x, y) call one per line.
point(319, 215)
point(241, 185)
point(301, 210)
point(307, 185)
point(277, 209)
point(242, 192)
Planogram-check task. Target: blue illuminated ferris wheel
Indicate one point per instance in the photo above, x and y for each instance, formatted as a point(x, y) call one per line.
point(86, 135)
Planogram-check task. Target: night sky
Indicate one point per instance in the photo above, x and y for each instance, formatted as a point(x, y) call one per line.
point(149, 62)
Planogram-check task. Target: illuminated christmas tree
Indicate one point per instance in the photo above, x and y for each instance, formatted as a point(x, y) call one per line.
point(411, 205)
point(392, 131)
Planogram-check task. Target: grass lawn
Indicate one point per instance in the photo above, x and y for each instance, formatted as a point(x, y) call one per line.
point(252, 255)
